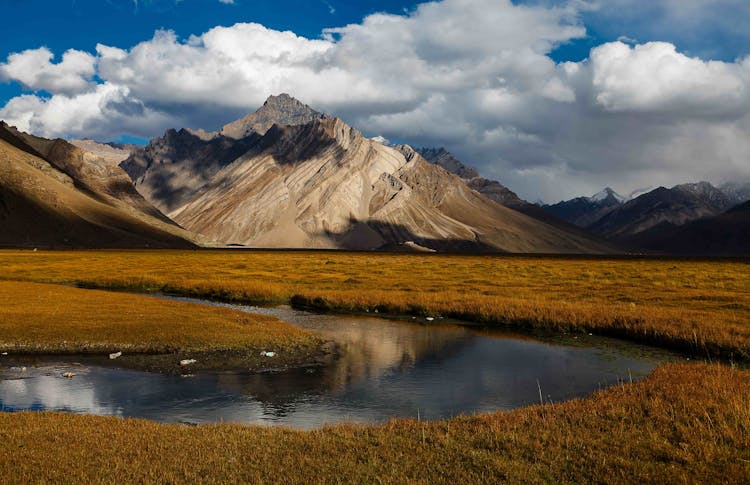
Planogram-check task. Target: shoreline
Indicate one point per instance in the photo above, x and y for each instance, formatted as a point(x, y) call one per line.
point(233, 360)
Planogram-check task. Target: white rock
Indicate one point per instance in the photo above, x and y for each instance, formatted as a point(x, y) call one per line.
point(268, 354)
point(5, 353)
point(187, 362)
point(114, 356)
point(430, 319)
point(68, 375)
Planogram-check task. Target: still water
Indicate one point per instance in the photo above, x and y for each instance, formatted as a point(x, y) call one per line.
point(388, 368)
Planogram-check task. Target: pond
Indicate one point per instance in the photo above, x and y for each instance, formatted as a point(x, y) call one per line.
point(387, 368)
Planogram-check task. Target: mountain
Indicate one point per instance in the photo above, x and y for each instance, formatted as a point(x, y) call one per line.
point(737, 192)
point(445, 159)
point(113, 153)
point(312, 181)
point(676, 206)
point(173, 168)
point(727, 234)
point(586, 211)
point(277, 110)
point(492, 189)
point(53, 194)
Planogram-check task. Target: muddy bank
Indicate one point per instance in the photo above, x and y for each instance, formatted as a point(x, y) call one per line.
point(189, 362)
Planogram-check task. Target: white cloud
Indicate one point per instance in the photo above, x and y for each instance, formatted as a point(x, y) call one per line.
point(473, 75)
point(34, 69)
point(655, 77)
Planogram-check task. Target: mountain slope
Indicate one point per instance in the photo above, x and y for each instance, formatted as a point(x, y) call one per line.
point(173, 168)
point(727, 234)
point(112, 153)
point(676, 206)
point(737, 192)
point(585, 211)
point(494, 190)
point(322, 184)
point(73, 204)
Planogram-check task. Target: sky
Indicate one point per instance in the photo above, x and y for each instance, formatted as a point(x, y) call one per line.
point(554, 98)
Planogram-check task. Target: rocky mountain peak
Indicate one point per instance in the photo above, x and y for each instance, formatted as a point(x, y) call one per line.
point(277, 110)
point(706, 194)
point(608, 196)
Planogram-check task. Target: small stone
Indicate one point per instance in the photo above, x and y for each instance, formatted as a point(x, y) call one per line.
point(114, 356)
point(5, 353)
point(430, 319)
point(268, 354)
point(69, 375)
point(187, 362)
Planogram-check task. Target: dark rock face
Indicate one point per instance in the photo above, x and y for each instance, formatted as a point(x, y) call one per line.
point(178, 164)
point(445, 159)
point(738, 192)
point(655, 212)
point(584, 211)
point(727, 234)
point(281, 110)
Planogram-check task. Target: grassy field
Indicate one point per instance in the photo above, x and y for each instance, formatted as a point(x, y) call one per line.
point(51, 319)
point(702, 307)
point(684, 424)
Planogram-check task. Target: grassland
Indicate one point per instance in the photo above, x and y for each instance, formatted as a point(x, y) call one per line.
point(684, 424)
point(51, 319)
point(702, 307)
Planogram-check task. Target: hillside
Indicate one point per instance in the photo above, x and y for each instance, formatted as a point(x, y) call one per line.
point(53, 194)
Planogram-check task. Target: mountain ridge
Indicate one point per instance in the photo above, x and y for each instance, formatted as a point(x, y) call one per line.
point(321, 183)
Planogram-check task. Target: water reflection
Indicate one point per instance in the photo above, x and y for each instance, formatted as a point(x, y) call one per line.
point(387, 369)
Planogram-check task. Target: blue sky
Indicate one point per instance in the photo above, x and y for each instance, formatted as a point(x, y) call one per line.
point(553, 97)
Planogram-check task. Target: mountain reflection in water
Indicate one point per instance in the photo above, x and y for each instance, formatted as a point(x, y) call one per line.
point(386, 369)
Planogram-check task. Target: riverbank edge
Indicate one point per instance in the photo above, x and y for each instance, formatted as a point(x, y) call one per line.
point(186, 362)
point(619, 327)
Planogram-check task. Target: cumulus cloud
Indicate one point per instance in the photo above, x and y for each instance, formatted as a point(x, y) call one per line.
point(655, 77)
point(473, 75)
point(35, 70)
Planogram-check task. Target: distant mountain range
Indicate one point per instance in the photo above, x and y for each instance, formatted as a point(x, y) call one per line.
point(288, 176)
point(694, 218)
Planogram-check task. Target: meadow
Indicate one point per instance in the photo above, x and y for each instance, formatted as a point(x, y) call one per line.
point(51, 319)
point(699, 307)
point(687, 422)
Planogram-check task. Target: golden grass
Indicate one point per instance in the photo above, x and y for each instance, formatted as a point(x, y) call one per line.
point(684, 424)
point(699, 306)
point(41, 318)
